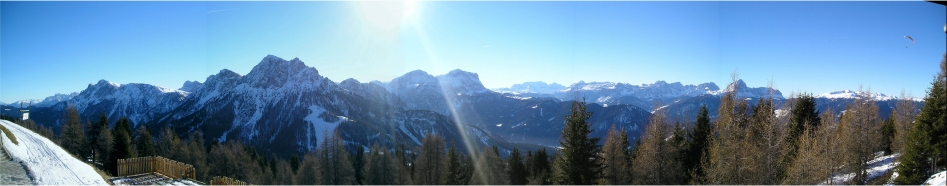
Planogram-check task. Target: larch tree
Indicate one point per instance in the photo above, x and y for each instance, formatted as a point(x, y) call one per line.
point(73, 135)
point(489, 169)
point(725, 156)
point(654, 163)
point(616, 163)
point(803, 117)
point(905, 113)
point(334, 161)
point(379, 166)
point(861, 130)
point(430, 164)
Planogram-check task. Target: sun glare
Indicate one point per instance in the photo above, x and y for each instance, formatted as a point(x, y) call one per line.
point(409, 9)
point(387, 16)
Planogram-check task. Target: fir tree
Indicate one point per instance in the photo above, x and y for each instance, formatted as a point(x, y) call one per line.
point(357, 164)
point(697, 147)
point(577, 163)
point(926, 145)
point(123, 146)
point(515, 168)
point(454, 175)
point(144, 142)
point(540, 169)
point(294, 162)
point(803, 116)
point(94, 130)
point(887, 133)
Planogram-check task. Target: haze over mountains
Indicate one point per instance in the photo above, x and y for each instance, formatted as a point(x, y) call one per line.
point(284, 106)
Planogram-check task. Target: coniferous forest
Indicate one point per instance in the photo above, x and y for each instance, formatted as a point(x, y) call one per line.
point(743, 143)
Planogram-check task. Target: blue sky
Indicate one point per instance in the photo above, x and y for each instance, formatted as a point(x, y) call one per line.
point(61, 47)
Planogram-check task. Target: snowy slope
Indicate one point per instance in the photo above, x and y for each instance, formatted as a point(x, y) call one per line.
point(46, 162)
point(876, 167)
point(937, 179)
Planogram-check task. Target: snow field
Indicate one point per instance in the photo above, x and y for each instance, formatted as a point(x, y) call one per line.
point(46, 162)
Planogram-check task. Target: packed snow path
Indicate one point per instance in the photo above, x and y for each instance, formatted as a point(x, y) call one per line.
point(48, 163)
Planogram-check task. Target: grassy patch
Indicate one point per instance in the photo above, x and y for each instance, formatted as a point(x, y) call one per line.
point(9, 135)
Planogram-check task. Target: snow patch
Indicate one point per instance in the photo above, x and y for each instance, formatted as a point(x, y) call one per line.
point(937, 179)
point(318, 124)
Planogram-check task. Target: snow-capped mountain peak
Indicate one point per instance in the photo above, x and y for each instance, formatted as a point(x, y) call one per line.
point(849, 94)
point(275, 72)
point(191, 86)
point(532, 87)
point(742, 90)
point(460, 81)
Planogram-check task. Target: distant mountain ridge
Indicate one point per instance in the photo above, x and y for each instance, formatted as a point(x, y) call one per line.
point(284, 106)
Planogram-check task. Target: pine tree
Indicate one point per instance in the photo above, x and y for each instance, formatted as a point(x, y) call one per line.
point(576, 162)
point(455, 173)
point(144, 142)
point(803, 116)
point(515, 168)
point(123, 146)
point(73, 135)
point(697, 147)
point(94, 131)
point(615, 160)
point(887, 133)
point(926, 146)
point(540, 169)
point(357, 163)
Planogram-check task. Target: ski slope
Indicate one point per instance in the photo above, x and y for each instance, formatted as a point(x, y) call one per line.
point(46, 162)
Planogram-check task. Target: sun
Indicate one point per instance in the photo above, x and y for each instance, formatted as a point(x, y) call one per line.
point(409, 8)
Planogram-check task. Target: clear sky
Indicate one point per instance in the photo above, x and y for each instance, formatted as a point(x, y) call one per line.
point(61, 47)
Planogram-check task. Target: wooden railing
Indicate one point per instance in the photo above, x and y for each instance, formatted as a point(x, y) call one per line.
point(223, 180)
point(158, 164)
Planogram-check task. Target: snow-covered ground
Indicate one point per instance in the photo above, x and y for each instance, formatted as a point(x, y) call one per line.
point(45, 161)
point(937, 179)
point(876, 167)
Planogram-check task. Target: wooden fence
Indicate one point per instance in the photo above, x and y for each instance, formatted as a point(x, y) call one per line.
point(158, 164)
point(223, 180)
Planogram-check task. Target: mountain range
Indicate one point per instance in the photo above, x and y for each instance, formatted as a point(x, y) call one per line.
point(284, 106)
